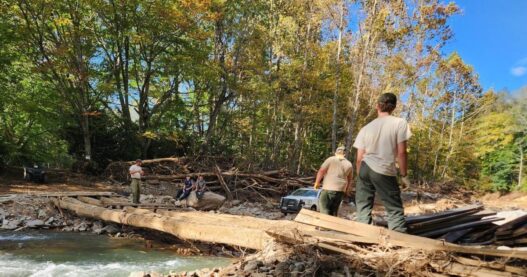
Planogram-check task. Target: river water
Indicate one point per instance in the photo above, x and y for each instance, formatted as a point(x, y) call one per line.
point(47, 253)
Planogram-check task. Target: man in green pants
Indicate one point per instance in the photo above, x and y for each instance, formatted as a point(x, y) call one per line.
point(379, 144)
point(135, 173)
point(337, 172)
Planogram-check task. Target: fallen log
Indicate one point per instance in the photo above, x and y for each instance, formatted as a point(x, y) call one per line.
point(265, 176)
point(64, 194)
point(211, 231)
point(383, 236)
point(168, 159)
point(217, 171)
point(90, 200)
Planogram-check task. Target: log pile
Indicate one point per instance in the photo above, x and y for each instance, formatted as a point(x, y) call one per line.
point(471, 225)
point(229, 182)
point(118, 171)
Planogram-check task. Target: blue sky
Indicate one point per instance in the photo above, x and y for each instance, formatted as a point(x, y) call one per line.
point(491, 35)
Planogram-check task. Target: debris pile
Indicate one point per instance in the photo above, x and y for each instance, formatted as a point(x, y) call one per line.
point(233, 183)
point(373, 250)
point(469, 225)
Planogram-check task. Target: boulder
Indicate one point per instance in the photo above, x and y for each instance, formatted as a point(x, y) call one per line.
point(42, 213)
point(10, 224)
point(209, 201)
point(110, 229)
point(35, 223)
point(98, 227)
point(50, 220)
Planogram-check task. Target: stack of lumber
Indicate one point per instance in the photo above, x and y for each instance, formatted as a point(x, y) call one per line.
point(468, 225)
point(479, 262)
point(513, 232)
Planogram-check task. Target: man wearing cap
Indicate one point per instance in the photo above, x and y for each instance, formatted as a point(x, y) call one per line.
point(337, 172)
point(379, 144)
point(135, 173)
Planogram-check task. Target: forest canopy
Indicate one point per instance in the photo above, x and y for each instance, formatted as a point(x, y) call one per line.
point(271, 83)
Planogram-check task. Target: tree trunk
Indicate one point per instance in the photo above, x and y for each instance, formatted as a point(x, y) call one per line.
point(337, 81)
point(355, 103)
point(520, 171)
point(86, 135)
point(221, 98)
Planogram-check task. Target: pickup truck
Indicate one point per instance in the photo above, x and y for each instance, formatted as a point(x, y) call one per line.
point(304, 197)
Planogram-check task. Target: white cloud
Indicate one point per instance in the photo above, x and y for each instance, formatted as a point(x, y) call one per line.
point(518, 71)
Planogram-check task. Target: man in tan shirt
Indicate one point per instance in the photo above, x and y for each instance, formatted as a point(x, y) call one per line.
point(379, 144)
point(337, 172)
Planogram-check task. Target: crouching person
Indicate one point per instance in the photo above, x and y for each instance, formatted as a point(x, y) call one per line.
point(337, 172)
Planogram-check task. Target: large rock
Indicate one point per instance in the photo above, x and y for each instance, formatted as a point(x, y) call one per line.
point(10, 224)
point(209, 201)
point(35, 223)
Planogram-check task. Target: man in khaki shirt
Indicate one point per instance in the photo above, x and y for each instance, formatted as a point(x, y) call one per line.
point(135, 186)
point(379, 144)
point(337, 172)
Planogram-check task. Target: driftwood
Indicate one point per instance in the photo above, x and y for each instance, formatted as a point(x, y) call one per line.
point(169, 159)
point(212, 231)
point(217, 171)
point(64, 194)
point(263, 176)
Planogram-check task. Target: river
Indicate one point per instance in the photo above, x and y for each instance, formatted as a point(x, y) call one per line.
point(48, 253)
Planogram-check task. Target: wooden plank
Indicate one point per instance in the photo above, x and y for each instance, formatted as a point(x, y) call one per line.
point(383, 235)
point(474, 237)
point(520, 221)
point(421, 218)
point(494, 265)
point(454, 268)
point(438, 232)
point(444, 225)
point(455, 235)
point(468, 216)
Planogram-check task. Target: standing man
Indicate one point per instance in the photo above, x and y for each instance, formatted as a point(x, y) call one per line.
point(337, 172)
point(379, 144)
point(135, 173)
